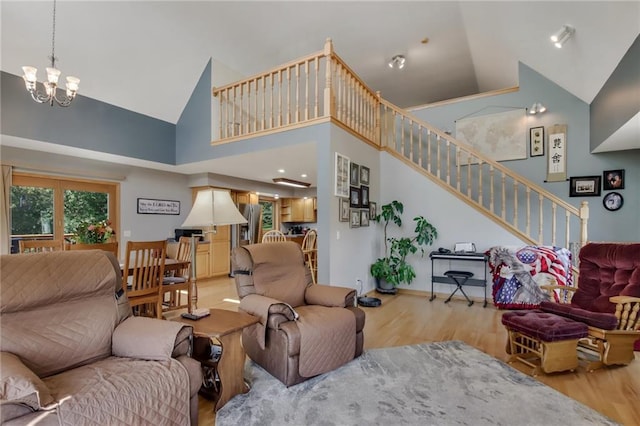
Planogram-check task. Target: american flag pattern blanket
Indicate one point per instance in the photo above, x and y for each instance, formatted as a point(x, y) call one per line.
point(518, 273)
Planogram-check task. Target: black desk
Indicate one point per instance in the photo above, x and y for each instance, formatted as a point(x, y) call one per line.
point(469, 257)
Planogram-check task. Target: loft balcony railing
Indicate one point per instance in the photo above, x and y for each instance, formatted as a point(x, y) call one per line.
point(321, 87)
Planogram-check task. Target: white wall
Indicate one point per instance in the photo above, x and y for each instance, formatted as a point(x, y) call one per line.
point(351, 255)
point(454, 220)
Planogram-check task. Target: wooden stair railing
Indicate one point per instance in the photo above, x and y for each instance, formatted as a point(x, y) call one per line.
point(526, 209)
point(321, 87)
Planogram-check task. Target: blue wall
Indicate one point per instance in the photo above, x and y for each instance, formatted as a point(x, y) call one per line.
point(193, 130)
point(562, 108)
point(87, 123)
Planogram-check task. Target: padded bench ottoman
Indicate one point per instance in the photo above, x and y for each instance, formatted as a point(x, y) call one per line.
point(542, 340)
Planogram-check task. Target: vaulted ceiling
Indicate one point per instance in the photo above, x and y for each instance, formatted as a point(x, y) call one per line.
point(147, 56)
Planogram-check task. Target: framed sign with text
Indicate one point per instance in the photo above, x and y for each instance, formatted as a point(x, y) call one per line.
point(153, 206)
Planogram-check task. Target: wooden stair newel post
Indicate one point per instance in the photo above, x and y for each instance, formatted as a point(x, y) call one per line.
point(329, 104)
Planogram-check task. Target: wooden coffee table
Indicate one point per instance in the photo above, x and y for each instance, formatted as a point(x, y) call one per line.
point(226, 327)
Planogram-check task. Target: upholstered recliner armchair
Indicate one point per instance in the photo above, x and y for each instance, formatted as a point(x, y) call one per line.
point(72, 353)
point(305, 329)
point(607, 299)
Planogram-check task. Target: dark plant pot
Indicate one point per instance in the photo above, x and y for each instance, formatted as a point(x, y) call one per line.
point(384, 287)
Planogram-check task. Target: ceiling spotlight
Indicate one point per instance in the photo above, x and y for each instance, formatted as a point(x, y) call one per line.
point(397, 62)
point(304, 175)
point(280, 170)
point(291, 182)
point(560, 37)
point(537, 108)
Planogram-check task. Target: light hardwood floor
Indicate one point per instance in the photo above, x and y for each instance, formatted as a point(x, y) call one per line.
point(407, 319)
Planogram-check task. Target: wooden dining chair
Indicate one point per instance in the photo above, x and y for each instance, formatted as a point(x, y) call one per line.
point(173, 286)
point(273, 236)
point(110, 247)
point(40, 246)
point(310, 250)
point(142, 276)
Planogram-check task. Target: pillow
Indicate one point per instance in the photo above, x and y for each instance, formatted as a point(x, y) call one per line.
point(21, 390)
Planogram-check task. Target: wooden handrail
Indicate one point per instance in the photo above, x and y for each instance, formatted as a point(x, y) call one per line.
point(216, 90)
point(469, 149)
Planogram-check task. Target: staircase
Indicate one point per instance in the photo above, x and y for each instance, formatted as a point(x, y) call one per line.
point(321, 88)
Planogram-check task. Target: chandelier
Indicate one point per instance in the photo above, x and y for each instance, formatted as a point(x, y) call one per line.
point(53, 74)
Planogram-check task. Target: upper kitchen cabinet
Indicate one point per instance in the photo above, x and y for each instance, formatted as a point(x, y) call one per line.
point(298, 209)
point(246, 198)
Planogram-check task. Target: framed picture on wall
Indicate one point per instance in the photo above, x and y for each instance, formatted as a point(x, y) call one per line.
point(364, 175)
point(364, 196)
point(354, 180)
point(372, 210)
point(343, 204)
point(584, 186)
point(354, 197)
point(342, 176)
point(364, 217)
point(536, 141)
point(613, 179)
point(354, 222)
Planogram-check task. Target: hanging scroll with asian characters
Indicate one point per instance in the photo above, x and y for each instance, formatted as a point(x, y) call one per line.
point(557, 153)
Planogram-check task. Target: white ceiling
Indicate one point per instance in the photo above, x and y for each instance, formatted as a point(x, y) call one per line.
point(147, 56)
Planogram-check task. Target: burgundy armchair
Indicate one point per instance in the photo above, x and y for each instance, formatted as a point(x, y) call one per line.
point(607, 299)
point(305, 329)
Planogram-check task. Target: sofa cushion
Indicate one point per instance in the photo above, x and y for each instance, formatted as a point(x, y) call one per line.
point(594, 319)
point(544, 326)
point(606, 270)
point(21, 391)
point(123, 391)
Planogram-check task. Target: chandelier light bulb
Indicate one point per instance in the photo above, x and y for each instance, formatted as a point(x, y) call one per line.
point(53, 75)
point(30, 74)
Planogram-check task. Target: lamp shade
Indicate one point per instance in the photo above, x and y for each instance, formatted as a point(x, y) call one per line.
point(213, 207)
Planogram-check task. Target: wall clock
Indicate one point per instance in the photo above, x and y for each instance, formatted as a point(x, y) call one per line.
point(613, 201)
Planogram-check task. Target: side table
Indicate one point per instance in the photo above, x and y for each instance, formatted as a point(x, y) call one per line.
point(226, 327)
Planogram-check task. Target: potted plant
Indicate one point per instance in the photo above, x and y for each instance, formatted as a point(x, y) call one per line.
point(393, 269)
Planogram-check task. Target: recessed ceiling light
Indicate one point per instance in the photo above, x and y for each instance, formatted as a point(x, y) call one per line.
point(291, 182)
point(280, 170)
point(304, 175)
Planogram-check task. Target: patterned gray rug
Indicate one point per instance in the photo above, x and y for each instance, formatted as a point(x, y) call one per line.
point(428, 384)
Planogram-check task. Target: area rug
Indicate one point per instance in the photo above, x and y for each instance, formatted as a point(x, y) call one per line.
point(428, 384)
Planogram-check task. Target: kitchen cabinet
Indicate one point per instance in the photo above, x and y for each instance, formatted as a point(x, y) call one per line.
point(246, 198)
point(298, 210)
point(202, 260)
point(309, 213)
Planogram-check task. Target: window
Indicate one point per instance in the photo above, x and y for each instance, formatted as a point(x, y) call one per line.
point(267, 215)
point(52, 208)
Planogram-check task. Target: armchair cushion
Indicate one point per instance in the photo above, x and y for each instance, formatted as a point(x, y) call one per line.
point(327, 295)
point(146, 338)
point(21, 391)
point(602, 320)
point(606, 270)
point(273, 275)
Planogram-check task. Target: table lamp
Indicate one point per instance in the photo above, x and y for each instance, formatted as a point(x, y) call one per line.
point(212, 207)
